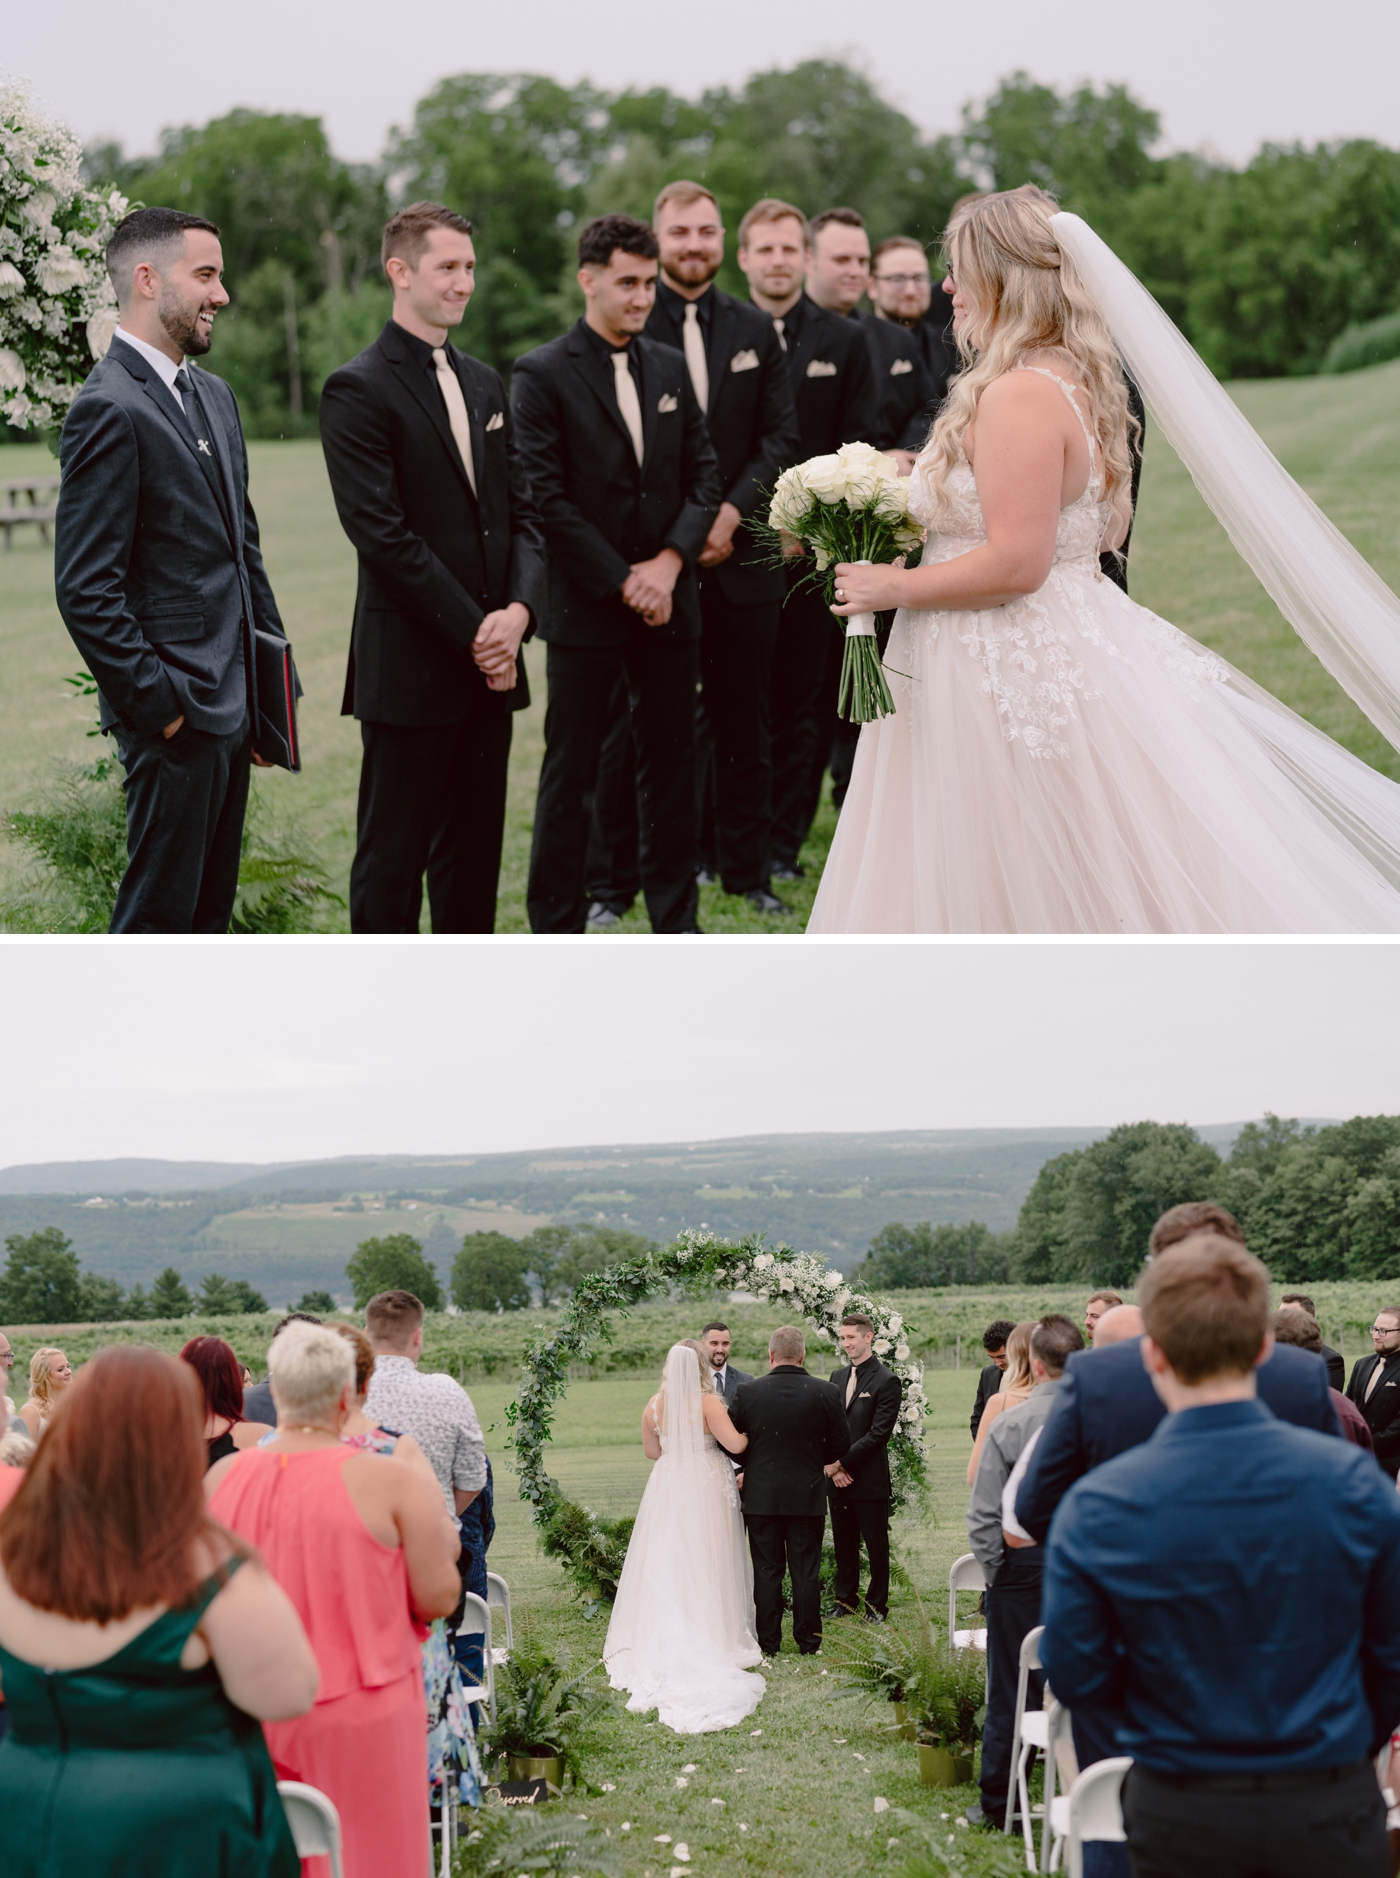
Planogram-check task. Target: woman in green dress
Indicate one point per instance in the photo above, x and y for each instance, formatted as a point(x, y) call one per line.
point(141, 1647)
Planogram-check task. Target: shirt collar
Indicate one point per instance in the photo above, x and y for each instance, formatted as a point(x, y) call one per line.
point(1216, 1415)
point(164, 366)
point(676, 303)
point(387, 1361)
point(419, 348)
point(604, 347)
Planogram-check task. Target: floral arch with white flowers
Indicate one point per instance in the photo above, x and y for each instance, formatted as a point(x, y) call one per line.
point(592, 1549)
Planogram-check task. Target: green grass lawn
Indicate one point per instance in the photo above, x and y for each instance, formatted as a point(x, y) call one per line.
point(1337, 435)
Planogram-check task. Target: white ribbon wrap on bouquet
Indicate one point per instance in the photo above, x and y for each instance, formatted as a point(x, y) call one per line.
point(861, 625)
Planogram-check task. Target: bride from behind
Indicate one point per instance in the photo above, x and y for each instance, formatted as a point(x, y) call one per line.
point(1061, 760)
point(681, 1640)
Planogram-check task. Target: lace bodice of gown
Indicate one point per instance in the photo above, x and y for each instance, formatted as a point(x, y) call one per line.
point(959, 527)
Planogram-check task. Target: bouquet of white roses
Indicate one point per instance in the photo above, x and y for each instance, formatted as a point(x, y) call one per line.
point(853, 506)
point(57, 308)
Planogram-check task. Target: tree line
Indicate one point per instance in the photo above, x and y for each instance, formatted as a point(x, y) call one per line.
point(43, 1283)
point(1264, 267)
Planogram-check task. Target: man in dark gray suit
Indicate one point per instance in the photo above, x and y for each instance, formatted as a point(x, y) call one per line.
point(716, 1339)
point(160, 577)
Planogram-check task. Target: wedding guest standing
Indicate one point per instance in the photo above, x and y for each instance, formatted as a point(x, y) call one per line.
point(833, 387)
point(159, 574)
point(430, 490)
point(858, 1487)
point(139, 1644)
point(614, 444)
point(1336, 1365)
point(50, 1373)
point(739, 376)
point(902, 300)
point(1375, 1389)
point(989, 1378)
point(226, 1430)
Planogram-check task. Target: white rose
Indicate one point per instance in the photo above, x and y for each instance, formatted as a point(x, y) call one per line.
point(822, 1331)
point(896, 1324)
point(825, 478)
point(831, 1280)
point(39, 208)
point(901, 1353)
point(11, 280)
point(60, 269)
point(763, 1261)
point(882, 1345)
point(785, 1284)
point(862, 488)
point(100, 329)
point(916, 1370)
point(12, 373)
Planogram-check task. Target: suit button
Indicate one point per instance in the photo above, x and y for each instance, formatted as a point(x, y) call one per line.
point(486, 531)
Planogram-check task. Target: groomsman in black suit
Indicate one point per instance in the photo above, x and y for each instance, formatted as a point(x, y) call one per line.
point(614, 444)
point(1375, 1388)
point(833, 384)
point(739, 375)
point(716, 1340)
point(921, 354)
point(159, 575)
point(430, 490)
point(860, 1480)
point(796, 1428)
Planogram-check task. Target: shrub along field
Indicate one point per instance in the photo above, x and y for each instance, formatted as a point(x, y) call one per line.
point(1336, 434)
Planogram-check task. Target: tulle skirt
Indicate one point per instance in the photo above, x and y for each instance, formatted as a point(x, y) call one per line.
point(681, 1640)
point(1071, 763)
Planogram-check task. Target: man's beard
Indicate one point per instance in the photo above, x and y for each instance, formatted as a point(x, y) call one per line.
point(182, 326)
point(694, 270)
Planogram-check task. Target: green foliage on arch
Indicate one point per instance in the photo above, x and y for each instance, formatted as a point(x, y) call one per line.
point(592, 1549)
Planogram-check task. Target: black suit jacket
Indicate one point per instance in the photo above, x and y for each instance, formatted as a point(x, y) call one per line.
point(796, 1425)
point(157, 565)
point(1382, 1412)
point(872, 1416)
point(752, 425)
point(732, 1379)
point(435, 558)
point(1115, 566)
point(988, 1384)
point(906, 395)
point(1336, 1368)
point(833, 382)
point(600, 509)
point(1106, 1405)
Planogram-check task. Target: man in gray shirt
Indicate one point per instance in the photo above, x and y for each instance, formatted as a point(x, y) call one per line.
point(435, 1410)
point(1013, 1575)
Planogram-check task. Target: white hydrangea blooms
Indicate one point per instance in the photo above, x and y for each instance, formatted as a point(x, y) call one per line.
point(57, 309)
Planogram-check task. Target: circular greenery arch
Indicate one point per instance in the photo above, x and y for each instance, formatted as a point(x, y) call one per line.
point(592, 1549)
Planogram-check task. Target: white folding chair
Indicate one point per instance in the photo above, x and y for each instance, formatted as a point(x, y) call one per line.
point(965, 1575)
point(1091, 1810)
point(476, 1615)
point(314, 1822)
point(1030, 1735)
point(498, 1597)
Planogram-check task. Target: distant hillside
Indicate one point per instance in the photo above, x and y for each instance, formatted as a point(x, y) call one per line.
point(291, 1227)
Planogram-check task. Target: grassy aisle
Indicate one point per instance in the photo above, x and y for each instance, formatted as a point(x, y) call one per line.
point(1337, 435)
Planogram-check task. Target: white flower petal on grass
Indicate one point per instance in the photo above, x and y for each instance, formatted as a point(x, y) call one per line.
point(717, 1802)
point(753, 1732)
point(662, 1838)
point(689, 1768)
point(681, 1781)
point(881, 1805)
point(626, 1826)
point(682, 1852)
point(609, 1786)
point(742, 1826)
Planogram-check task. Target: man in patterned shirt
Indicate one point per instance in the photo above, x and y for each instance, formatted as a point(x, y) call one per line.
point(435, 1410)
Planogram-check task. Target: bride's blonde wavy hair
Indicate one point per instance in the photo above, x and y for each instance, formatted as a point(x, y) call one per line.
point(1024, 295)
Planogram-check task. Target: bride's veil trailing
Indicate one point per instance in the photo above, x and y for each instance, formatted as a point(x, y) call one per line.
point(682, 1424)
point(1334, 601)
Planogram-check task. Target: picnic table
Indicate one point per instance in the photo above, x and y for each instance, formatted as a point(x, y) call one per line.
point(28, 499)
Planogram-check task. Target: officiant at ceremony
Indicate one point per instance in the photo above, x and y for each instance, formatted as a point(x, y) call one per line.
point(833, 385)
point(739, 375)
point(614, 445)
point(429, 488)
point(858, 1485)
point(159, 575)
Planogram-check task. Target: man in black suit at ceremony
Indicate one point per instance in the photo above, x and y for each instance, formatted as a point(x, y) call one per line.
point(921, 354)
point(716, 1339)
point(796, 1428)
point(1375, 1388)
point(159, 575)
point(614, 444)
point(739, 375)
point(429, 489)
point(833, 384)
point(859, 1488)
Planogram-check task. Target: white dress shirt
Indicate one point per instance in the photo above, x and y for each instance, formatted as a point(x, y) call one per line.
point(164, 365)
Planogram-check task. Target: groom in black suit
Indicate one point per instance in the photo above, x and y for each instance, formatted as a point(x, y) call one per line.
point(160, 578)
point(615, 448)
point(430, 490)
point(796, 1428)
point(860, 1480)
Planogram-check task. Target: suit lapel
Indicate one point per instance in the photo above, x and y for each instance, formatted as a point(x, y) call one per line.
point(428, 397)
point(164, 401)
point(652, 388)
point(598, 377)
point(233, 508)
point(809, 340)
point(719, 353)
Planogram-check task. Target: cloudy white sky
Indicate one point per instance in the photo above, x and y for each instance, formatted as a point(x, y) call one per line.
point(1224, 73)
point(277, 1051)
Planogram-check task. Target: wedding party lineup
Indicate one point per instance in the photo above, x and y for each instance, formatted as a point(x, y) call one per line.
point(700, 907)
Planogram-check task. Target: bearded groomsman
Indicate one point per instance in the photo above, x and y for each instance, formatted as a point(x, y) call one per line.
point(834, 391)
point(739, 375)
point(921, 355)
point(614, 443)
point(430, 490)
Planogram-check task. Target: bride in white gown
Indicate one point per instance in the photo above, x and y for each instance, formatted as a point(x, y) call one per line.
point(1060, 759)
point(681, 1640)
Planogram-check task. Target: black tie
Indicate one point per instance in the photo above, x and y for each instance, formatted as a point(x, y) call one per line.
point(194, 417)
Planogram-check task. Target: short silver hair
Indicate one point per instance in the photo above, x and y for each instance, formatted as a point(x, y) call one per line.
point(309, 1367)
point(788, 1344)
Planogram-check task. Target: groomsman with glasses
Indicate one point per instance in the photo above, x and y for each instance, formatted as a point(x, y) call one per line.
point(739, 375)
point(922, 355)
point(614, 444)
point(833, 387)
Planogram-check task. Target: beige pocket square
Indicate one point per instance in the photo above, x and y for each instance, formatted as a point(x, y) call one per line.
point(821, 368)
point(496, 421)
point(666, 403)
point(746, 361)
point(900, 366)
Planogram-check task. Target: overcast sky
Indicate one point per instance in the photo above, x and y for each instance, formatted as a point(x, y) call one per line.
point(1225, 73)
point(281, 1051)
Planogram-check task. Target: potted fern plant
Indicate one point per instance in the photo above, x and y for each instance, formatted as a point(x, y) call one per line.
point(947, 1705)
point(543, 1709)
point(886, 1662)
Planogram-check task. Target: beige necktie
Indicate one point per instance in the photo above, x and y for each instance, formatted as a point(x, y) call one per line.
point(456, 412)
point(1375, 1377)
point(782, 334)
point(695, 356)
point(628, 402)
point(851, 1386)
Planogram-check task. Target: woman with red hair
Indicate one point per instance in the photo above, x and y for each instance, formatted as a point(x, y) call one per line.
point(141, 1644)
point(221, 1379)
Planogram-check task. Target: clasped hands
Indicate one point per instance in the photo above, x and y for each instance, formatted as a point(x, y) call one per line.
point(837, 1474)
point(497, 642)
point(648, 588)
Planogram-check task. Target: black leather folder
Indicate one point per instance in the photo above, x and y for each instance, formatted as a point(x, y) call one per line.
point(277, 740)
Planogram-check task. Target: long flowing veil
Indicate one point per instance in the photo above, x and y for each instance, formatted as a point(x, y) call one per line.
point(1335, 602)
point(682, 1422)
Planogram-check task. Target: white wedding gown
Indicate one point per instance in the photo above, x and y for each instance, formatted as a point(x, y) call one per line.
point(1071, 763)
point(681, 1639)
